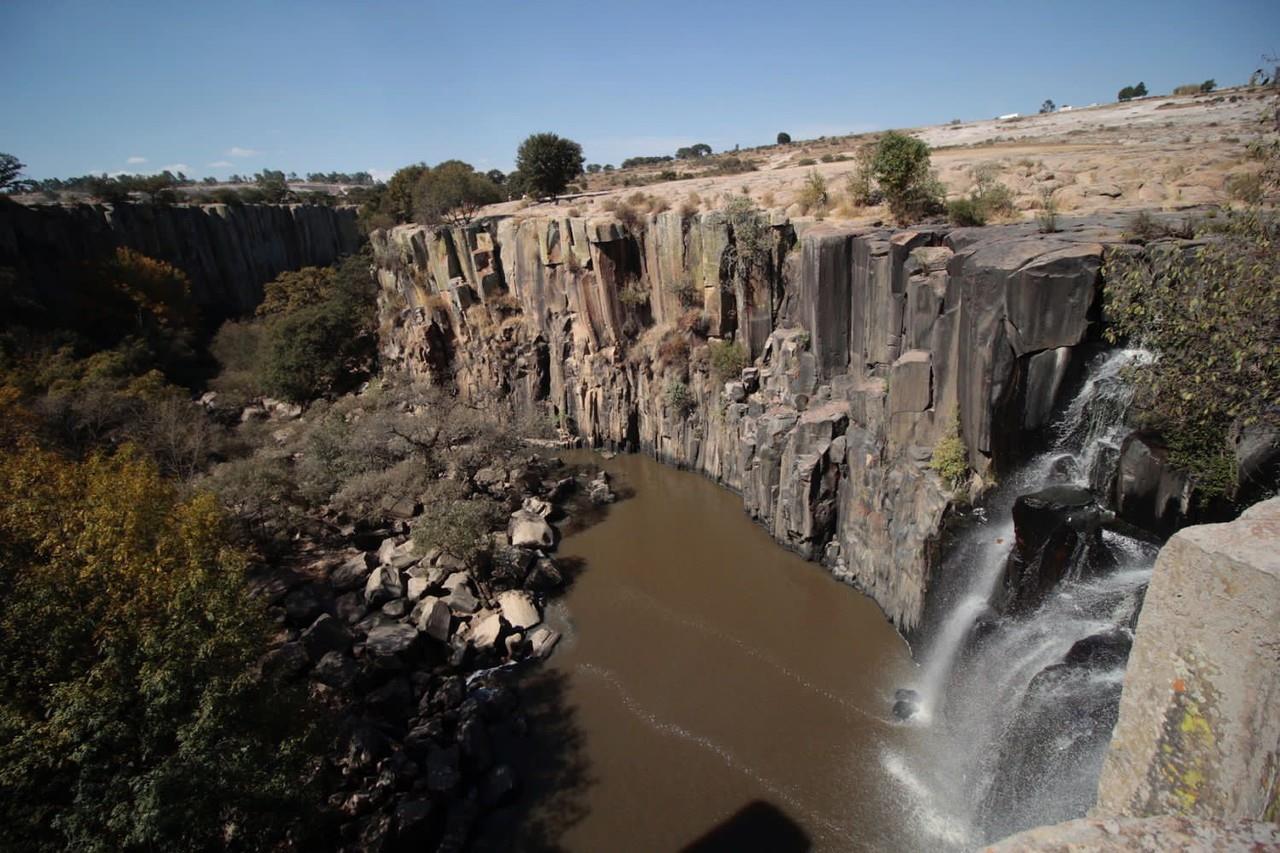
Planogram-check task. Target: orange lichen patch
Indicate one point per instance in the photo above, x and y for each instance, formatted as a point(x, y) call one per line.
point(1179, 686)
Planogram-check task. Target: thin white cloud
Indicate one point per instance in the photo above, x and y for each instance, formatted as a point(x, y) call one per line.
point(237, 151)
point(381, 174)
point(221, 164)
point(176, 167)
point(136, 161)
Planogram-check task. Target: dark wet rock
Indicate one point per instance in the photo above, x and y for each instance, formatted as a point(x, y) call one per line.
point(509, 566)
point(425, 735)
point(393, 700)
point(303, 604)
point(1058, 535)
point(904, 710)
point(396, 608)
point(414, 822)
point(287, 661)
point(500, 786)
point(448, 694)
point(442, 772)
point(1150, 493)
point(1100, 651)
point(366, 747)
point(337, 670)
point(350, 607)
point(326, 634)
point(545, 576)
point(473, 740)
point(906, 694)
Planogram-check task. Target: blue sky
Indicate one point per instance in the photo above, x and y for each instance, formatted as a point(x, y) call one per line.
point(224, 87)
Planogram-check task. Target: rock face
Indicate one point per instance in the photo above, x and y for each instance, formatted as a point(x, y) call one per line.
point(1198, 733)
point(227, 252)
point(1147, 835)
point(864, 346)
point(1057, 536)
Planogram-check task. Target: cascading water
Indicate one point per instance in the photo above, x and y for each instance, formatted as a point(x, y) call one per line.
point(1015, 711)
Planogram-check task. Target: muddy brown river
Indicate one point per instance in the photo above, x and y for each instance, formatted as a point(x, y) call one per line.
point(713, 691)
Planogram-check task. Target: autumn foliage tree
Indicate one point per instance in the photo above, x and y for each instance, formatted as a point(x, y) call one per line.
point(132, 712)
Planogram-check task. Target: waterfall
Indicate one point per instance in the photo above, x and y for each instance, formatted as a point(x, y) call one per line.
point(1015, 711)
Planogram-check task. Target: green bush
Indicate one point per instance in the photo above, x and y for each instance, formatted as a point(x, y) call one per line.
point(1209, 313)
point(813, 195)
point(679, 398)
point(455, 523)
point(319, 337)
point(901, 168)
point(133, 714)
point(728, 358)
point(547, 163)
point(784, 139)
point(951, 458)
point(452, 193)
point(988, 199)
point(1047, 215)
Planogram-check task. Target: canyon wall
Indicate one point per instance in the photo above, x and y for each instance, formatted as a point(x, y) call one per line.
point(227, 252)
point(865, 347)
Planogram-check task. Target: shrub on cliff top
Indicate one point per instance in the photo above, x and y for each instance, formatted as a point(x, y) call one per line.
point(901, 168)
point(452, 193)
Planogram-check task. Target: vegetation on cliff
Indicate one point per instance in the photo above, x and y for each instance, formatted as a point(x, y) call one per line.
point(1208, 311)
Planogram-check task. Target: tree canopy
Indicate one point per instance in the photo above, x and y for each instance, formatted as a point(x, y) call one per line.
point(548, 162)
point(452, 192)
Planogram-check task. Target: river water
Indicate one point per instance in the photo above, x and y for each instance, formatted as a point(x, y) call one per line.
point(712, 689)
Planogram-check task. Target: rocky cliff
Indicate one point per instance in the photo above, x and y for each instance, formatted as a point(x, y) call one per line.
point(228, 252)
point(1198, 733)
point(865, 348)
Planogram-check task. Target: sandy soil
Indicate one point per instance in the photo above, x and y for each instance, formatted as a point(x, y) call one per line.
point(1162, 153)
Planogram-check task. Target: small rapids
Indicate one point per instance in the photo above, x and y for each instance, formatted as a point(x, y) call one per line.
point(1016, 711)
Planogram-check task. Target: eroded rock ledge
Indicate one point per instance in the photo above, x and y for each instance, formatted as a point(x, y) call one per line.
point(864, 346)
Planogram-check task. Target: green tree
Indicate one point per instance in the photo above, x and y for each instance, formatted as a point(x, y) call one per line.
point(548, 162)
point(901, 168)
point(1208, 85)
point(319, 337)
point(133, 715)
point(397, 199)
point(452, 192)
point(784, 138)
point(1048, 106)
point(10, 168)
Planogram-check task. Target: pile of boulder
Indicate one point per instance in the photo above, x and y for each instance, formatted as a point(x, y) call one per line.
point(413, 650)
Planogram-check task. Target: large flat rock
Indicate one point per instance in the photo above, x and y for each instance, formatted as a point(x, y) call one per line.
point(1199, 733)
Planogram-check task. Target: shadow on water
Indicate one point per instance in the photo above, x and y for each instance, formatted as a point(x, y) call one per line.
point(756, 826)
point(552, 766)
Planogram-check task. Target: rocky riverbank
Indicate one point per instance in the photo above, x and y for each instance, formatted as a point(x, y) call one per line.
point(410, 651)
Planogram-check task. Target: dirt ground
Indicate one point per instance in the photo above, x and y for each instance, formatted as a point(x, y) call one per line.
point(1158, 153)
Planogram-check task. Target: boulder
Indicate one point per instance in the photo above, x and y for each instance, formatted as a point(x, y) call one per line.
point(350, 574)
point(529, 530)
point(599, 492)
point(509, 565)
point(1149, 492)
point(542, 640)
point(544, 576)
point(1057, 535)
point(538, 506)
point(326, 634)
point(303, 604)
point(288, 661)
point(485, 629)
point(443, 774)
point(1163, 832)
point(384, 585)
point(1198, 734)
point(337, 670)
point(390, 646)
point(499, 786)
point(433, 618)
point(518, 609)
point(462, 600)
